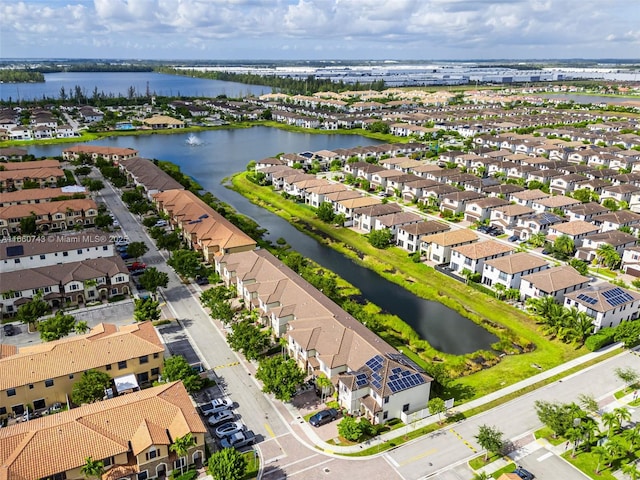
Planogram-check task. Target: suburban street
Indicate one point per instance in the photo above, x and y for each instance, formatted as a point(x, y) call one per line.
point(289, 447)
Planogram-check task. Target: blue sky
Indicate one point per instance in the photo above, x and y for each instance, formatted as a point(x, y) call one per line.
point(320, 29)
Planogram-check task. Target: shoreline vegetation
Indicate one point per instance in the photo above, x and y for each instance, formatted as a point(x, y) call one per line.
point(475, 374)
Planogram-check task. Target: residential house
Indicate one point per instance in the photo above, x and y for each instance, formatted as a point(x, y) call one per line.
point(504, 190)
point(348, 206)
point(54, 249)
point(631, 261)
point(533, 224)
point(62, 215)
point(527, 197)
point(364, 217)
point(115, 154)
point(620, 241)
point(146, 174)
point(408, 236)
point(136, 443)
point(36, 195)
point(393, 221)
point(412, 191)
point(555, 281)
point(163, 122)
point(316, 195)
point(616, 220)
point(473, 256)
point(438, 247)
point(509, 269)
point(507, 217)
point(557, 203)
point(200, 226)
point(456, 202)
point(566, 183)
point(576, 231)
point(43, 374)
point(480, 210)
point(620, 193)
point(585, 211)
point(608, 304)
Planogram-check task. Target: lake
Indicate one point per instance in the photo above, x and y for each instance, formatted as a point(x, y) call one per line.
point(585, 99)
point(225, 152)
point(118, 83)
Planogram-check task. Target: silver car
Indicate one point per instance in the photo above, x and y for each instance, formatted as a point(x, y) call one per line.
point(229, 428)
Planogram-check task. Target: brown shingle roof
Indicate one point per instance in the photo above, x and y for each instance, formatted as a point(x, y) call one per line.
point(555, 279)
point(517, 262)
point(486, 249)
point(450, 238)
point(602, 304)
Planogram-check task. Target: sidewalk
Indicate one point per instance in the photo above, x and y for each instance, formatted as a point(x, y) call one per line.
point(308, 431)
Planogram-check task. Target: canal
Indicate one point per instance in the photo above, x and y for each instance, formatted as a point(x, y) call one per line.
point(225, 152)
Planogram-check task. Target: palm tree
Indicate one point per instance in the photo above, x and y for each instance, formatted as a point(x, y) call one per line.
point(541, 306)
point(631, 471)
point(81, 327)
point(537, 239)
point(622, 414)
point(632, 435)
point(481, 476)
point(602, 454)
point(92, 468)
point(607, 256)
point(578, 324)
point(616, 447)
point(574, 435)
point(500, 289)
point(564, 246)
point(610, 420)
point(181, 446)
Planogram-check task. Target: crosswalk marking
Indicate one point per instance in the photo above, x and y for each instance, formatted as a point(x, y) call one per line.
point(232, 364)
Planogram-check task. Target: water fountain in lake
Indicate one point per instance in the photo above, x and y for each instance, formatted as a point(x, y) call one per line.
point(193, 141)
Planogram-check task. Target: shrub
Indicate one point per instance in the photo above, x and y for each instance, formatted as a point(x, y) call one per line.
point(601, 339)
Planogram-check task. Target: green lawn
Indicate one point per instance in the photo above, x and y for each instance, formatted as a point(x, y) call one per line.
point(511, 325)
point(587, 462)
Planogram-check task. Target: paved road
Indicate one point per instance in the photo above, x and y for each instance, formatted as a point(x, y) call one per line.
point(428, 455)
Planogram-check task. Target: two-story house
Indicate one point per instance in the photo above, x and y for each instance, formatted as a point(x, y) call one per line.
point(608, 304)
point(408, 236)
point(438, 247)
point(473, 256)
point(555, 281)
point(509, 269)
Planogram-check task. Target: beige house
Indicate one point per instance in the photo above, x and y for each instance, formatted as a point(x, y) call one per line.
point(473, 255)
point(555, 282)
point(131, 434)
point(62, 215)
point(437, 248)
point(40, 375)
point(161, 122)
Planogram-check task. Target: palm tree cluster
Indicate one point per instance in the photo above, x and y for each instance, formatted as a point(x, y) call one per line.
point(567, 324)
point(613, 440)
point(607, 256)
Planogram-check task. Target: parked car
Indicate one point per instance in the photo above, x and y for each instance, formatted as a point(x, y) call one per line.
point(161, 223)
point(9, 330)
point(137, 266)
point(122, 243)
point(483, 228)
point(217, 405)
point(200, 280)
point(125, 255)
point(136, 273)
point(325, 416)
point(222, 416)
point(229, 428)
point(524, 474)
point(238, 440)
point(55, 408)
point(513, 238)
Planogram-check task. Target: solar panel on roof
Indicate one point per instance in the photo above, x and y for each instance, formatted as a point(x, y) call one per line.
point(396, 370)
point(405, 383)
point(375, 363)
point(15, 250)
point(587, 299)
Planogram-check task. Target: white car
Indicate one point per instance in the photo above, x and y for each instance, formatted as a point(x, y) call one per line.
point(217, 405)
point(229, 428)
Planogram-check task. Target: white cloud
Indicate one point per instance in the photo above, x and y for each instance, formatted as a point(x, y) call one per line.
point(364, 28)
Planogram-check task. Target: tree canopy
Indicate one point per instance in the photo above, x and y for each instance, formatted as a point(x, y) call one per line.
point(380, 238)
point(176, 368)
point(153, 278)
point(227, 464)
point(186, 262)
point(32, 310)
point(91, 386)
point(249, 339)
point(489, 438)
point(280, 376)
point(146, 309)
point(57, 326)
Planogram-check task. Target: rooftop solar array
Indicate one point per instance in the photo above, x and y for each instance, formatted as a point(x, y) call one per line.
point(375, 363)
point(361, 380)
point(376, 380)
point(587, 299)
point(405, 381)
point(617, 296)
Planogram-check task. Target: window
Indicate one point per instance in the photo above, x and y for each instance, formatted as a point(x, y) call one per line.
point(386, 399)
point(11, 392)
point(65, 254)
point(42, 257)
point(31, 386)
point(155, 372)
point(17, 260)
point(108, 366)
point(3, 410)
point(385, 415)
point(405, 407)
point(151, 454)
point(79, 251)
point(179, 463)
point(71, 376)
point(156, 355)
point(144, 359)
point(122, 365)
point(142, 475)
point(74, 286)
point(48, 383)
point(107, 462)
point(114, 291)
point(105, 247)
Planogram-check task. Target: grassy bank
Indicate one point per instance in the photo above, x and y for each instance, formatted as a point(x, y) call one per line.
point(516, 330)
